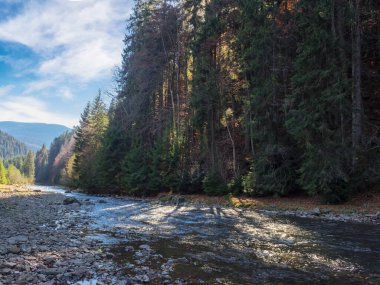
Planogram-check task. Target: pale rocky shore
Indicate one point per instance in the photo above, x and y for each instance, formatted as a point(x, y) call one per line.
point(42, 242)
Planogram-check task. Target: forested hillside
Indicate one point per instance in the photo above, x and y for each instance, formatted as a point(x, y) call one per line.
point(55, 165)
point(10, 147)
point(250, 96)
point(34, 135)
point(16, 161)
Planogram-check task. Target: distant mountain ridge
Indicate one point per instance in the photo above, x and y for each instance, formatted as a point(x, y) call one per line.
point(11, 147)
point(33, 135)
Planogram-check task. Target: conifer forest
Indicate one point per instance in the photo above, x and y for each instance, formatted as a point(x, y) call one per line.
point(248, 97)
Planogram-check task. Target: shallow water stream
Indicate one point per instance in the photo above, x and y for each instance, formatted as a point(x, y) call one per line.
point(214, 245)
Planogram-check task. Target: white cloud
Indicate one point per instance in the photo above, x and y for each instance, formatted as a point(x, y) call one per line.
point(39, 85)
point(78, 40)
point(4, 90)
point(45, 86)
point(32, 110)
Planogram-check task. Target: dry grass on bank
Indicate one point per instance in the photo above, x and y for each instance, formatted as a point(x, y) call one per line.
point(16, 190)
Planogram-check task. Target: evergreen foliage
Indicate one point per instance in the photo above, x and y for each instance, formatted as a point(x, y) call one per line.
point(136, 171)
point(319, 103)
point(88, 142)
point(214, 185)
point(255, 97)
point(41, 164)
point(267, 61)
point(29, 167)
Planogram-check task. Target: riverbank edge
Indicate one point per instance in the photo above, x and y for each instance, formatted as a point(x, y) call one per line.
point(363, 208)
point(280, 207)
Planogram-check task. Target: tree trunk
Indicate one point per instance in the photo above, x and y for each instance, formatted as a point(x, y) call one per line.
point(357, 102)
point(233, 150)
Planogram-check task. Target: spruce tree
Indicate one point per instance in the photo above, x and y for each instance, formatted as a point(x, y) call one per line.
point(267, 50)
point(136, 171)
point(81, 136)
point(29, 167)
point(319, 104)
point(89, 139)
point(41, 164)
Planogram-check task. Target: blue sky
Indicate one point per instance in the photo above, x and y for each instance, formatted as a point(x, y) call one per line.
point(56, 54)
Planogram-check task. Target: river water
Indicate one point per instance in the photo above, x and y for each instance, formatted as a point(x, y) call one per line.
point(217, 245)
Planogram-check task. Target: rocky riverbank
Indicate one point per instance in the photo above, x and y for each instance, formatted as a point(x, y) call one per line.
point(42, 242)
point(355, 211)
point(318, 213)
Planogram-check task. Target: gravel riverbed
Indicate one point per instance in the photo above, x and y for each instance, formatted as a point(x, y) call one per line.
point(41, 242)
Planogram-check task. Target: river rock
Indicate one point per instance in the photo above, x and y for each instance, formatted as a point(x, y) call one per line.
point(129, 248)
point(143, 278)
point(145, 247)
point(178, 200)
point(42, 277)
point(316, 211)
point(26, 248)
point(14, 249)
point(70, 200)
point(81, 272)
point(17, 239)
point(50, 282)
point(25, 279)
point(53, 271)
point(129, 266)
point(6, 271)
point(3, 250)
point(49, 259)
point(8, 265)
